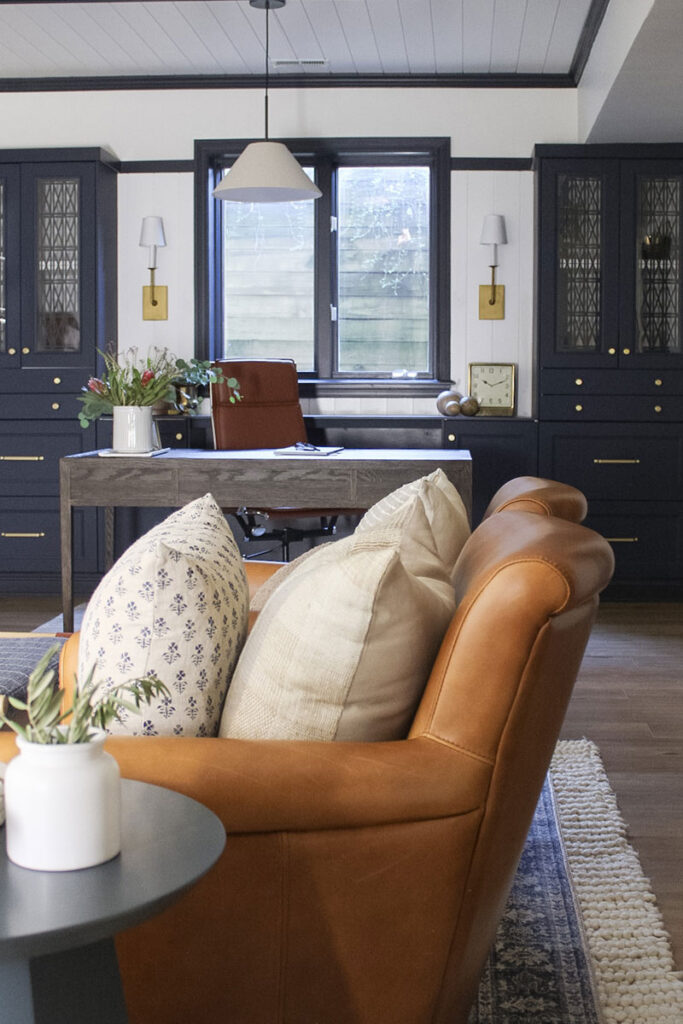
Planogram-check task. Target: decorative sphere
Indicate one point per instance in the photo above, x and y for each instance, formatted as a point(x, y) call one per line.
point(448, 403)
point(469, 406)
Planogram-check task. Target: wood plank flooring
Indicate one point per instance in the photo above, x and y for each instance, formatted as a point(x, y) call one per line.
point(628, 699)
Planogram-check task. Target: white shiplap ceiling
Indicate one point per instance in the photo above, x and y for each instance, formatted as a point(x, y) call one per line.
point(340, 37)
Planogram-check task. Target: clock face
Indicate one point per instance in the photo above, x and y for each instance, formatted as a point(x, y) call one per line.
point(493, 385)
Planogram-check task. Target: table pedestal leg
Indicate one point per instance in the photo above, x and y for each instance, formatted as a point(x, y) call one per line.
point(76, 986)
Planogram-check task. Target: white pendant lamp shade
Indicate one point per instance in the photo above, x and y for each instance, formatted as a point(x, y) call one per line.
point(266, 172)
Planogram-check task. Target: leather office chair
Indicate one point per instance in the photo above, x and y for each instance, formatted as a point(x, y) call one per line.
point(363, 882)
point(268, 416)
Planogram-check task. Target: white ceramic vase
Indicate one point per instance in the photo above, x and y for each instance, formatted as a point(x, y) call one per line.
point(62, 805)
point(133, 429)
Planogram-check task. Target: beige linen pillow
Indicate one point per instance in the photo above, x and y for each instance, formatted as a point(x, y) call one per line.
point(175, 604)
point(446, 526)
point(343, 647)
point(446, 523)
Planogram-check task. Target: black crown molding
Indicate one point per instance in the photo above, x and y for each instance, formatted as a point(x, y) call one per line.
point(102, 83)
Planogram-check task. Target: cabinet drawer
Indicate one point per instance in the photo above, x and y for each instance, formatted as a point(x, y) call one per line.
point(646, 538)
point(51, 406)
point(611, 382)
point(612, 408)
point(34, 380)
point(604, 462)
point(30, 454)
point(30, 539)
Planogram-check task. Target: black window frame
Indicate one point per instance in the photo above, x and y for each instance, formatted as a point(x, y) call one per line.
point(213, 155)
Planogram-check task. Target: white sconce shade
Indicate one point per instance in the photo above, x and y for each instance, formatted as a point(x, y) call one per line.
point(152, 235)
point(266, 172)
point(493, 233)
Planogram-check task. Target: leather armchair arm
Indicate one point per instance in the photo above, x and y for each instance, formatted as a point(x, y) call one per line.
point(272, 786)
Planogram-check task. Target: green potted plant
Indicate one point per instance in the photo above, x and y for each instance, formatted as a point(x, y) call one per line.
point(194, 379)
point(62, 793)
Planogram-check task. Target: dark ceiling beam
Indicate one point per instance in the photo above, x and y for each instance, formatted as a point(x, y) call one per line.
point(318, 81)
point(591, 25)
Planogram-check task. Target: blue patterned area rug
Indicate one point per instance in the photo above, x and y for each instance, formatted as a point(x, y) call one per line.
point(539, 970)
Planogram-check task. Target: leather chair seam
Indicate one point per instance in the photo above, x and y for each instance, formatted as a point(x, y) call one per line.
point(484, 758)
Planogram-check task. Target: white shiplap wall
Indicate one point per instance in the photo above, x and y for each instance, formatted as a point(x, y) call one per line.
point(473, 195)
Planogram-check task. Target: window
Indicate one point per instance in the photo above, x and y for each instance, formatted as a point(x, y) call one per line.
point(354, 286)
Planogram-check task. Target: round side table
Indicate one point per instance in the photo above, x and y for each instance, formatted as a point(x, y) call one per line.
point(57, 956)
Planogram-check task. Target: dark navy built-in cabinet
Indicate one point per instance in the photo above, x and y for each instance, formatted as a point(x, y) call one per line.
point(610, 348)
point(57, 309)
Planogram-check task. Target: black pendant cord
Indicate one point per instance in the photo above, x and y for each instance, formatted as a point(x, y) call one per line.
point(267, 49)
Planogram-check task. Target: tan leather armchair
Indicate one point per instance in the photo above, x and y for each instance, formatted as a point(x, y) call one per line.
point(363, 882)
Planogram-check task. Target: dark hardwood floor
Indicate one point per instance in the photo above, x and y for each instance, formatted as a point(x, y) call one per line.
point(628, 699)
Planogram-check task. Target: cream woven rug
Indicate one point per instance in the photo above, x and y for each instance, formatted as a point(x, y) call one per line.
point(635, 977)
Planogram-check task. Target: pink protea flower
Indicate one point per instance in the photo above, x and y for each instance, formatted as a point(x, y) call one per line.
point(147, 376)
point(97, 385)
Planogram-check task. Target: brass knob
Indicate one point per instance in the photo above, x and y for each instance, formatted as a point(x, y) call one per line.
point(56, 380)
point(55, 406)
point(451, 437)
point(658, 408)
point(12, 351)
point(658, 382)
point(26, 351)
point(626, 351)
point(579, 408)
point(179, 437)
point(611, 351)
point(578, 382)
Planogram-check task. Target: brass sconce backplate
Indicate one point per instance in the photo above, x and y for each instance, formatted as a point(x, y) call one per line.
point(487, 309)
point(159, 310)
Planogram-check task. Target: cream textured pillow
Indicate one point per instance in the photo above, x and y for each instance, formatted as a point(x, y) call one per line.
point(446, 528)
point(343, 647)
point(175, 604)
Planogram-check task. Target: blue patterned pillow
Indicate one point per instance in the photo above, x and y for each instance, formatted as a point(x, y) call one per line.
point(176, 604)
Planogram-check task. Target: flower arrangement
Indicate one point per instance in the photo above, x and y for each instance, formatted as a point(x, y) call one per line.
point(127, 380)
point(90, 711)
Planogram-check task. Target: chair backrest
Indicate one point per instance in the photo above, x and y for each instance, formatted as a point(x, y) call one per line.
point(527, 589)
point(534, 494)
point(269, 414)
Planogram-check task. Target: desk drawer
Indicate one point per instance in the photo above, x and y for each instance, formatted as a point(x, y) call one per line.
point(606, 463)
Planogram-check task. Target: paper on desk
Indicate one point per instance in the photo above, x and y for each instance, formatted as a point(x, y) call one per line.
point(293, 450)
point(109, 453)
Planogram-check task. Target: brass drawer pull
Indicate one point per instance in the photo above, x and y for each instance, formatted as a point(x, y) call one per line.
point(658, 408)
point(622, 540)
point(179, 437)
point(55, 406)
point(451, 437)
point(22, 458)
point(578, 382)
point(4, 534)
point(12, 351)
point(658, 382)
point(616, 462)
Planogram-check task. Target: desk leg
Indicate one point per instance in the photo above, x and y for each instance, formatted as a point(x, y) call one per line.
point(108, 537)
point(77, 986)
point(66, 540)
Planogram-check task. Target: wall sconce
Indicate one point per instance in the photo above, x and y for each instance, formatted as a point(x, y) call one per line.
point(492, 297)
point(154, 297)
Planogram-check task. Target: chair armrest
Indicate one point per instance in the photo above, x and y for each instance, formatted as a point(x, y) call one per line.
point(272, 786)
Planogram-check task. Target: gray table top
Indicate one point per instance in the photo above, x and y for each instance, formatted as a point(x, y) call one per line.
point(168, 842)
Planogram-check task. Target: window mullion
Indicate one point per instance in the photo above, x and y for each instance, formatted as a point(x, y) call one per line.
point(325, 251)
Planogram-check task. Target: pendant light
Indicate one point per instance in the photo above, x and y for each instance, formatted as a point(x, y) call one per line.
point(266, 172)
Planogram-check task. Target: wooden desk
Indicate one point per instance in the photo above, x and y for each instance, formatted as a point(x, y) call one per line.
point(352, 478)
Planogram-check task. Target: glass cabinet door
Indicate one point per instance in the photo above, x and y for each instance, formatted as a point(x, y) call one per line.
point(59, 278)
point(9, 266)
point(578, 260)
point(653, 328)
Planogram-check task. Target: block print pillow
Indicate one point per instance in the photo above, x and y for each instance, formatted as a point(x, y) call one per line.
point(343, 647)
point(175, 604)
